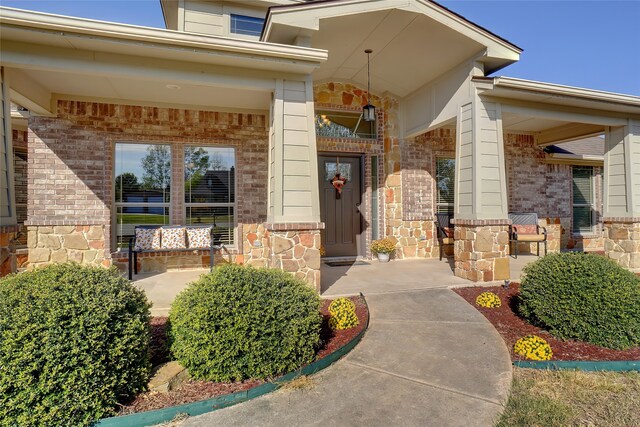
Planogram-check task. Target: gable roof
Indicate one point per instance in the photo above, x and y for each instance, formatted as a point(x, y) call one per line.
point(593, 146)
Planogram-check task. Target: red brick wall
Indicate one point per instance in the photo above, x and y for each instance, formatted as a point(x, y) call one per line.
point(71, 159)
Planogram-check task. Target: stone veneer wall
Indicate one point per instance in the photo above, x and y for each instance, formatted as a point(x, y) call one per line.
point(622, 241)
point(296, 248)
point(481, 250)
point(60, 243)
point(70, 168)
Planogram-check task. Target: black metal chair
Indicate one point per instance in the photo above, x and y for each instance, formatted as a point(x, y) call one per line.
point(524, 228)
point(444, 230)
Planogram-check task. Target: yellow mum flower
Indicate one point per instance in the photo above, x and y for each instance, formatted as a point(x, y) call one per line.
point(533, 347)
point(341, 304)
point(488, 300)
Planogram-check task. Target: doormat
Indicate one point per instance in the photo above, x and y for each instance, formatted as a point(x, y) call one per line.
point(345, 263)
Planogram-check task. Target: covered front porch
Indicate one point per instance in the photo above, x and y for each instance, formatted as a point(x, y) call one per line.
point(367, 277)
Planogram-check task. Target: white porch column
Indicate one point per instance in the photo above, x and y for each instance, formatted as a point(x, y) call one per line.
point(622, 194)
point(481, 208)
point(8, 220)
point(294, 200)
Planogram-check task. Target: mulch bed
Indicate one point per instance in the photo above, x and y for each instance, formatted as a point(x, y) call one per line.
point(512, 327)
point(193, 391)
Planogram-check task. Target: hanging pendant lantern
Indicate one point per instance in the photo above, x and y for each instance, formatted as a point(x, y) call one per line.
point(369, 111)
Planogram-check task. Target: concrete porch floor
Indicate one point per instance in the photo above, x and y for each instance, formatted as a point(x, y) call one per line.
point(368, 277)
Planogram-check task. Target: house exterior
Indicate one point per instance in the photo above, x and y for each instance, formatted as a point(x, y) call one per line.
point(262, 100)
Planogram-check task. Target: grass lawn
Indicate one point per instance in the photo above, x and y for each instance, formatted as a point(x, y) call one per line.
point(572, 398)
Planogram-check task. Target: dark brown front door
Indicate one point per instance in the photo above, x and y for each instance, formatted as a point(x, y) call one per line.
point(340, 212)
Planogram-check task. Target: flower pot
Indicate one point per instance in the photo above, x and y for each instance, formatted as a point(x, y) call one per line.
point(383, 257)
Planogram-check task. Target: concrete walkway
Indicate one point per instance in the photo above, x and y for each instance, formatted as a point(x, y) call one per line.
point(428, 359)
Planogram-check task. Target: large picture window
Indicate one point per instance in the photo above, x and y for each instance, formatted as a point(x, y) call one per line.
point(142, 187)
point(209, 190)
point(583, 200)
point(445, 180)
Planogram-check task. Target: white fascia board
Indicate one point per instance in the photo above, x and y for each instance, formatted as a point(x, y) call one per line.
point(561, 90)
point(156, 37)
point(308, 15)
point(574, 159)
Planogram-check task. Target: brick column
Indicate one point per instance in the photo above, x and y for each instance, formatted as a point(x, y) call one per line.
point(296, 248)
point(481, 249)
point(622, 241)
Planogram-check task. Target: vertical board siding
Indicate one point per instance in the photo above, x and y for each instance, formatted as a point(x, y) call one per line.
point(634, 148)
point(464, 160)
point(6, 156)
point(491, 198)
point(480, 166)
point(292, 156)
point(616, 199)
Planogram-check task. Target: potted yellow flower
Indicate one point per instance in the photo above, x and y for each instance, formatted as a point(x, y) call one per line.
point(383, 248)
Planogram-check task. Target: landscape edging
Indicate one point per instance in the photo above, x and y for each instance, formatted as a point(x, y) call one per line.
point(158, 416)
point(581, 365)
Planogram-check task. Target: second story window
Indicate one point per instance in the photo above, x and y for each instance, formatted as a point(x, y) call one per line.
point(246, 25)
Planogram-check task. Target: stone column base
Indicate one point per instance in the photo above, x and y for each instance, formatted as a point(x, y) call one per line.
point(481, 249)
point(296, 248)
point(622, 241)
point(84, 244)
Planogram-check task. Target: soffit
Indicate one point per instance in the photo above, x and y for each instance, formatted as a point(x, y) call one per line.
point(121, 89)
point(409, 50)
point(107, 37)
point(413, 41)
point(540, 93)
point(522, 123)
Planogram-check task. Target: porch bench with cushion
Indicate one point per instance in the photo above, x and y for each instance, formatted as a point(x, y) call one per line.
point(524, 228)
point(444, 231)
point(171, 238)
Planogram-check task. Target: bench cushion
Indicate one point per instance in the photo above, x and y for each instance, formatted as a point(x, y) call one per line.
point(530, 238)
point(147, 239)
point(526, 229)
point(199, 237)
point(173, 238)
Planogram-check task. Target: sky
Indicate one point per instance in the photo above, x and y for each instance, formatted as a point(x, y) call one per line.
point(591, 44)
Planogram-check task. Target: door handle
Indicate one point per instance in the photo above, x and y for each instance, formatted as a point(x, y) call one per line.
point(358, 207)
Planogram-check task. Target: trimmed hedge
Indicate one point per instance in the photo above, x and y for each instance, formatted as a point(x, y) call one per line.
point(583, 296)
point(74, 341)
point(241, 322)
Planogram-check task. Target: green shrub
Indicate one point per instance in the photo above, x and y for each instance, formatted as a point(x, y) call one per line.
point(584, 297)
point(240, 322)
point(74, 341)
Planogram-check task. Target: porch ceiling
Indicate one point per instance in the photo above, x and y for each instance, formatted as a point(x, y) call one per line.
point(52, 56)
point(409, 50)
point(157, 91)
